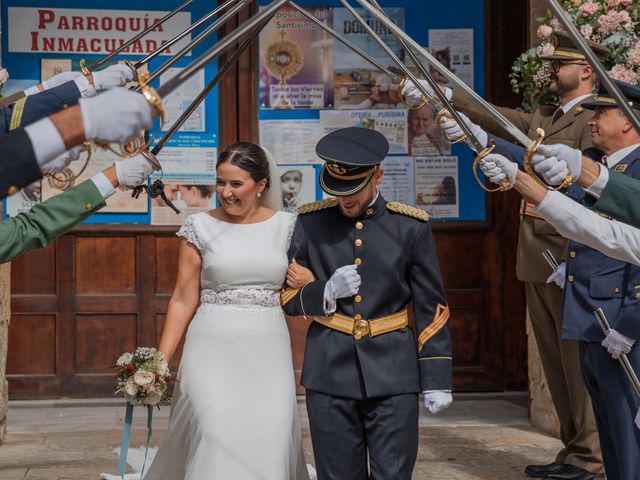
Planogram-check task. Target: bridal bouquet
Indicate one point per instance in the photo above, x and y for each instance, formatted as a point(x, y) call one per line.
point(612, 23)
point(143, 376)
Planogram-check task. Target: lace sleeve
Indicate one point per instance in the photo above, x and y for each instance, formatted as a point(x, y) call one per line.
point(189, 233)
point(292, 226)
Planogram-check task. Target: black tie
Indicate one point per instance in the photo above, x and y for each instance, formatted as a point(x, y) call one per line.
point(557, 115)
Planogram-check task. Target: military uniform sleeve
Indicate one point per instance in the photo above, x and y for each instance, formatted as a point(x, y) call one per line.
point(432, 314)
point(308, 300)
point(47, 221)
point(619, 199)
point(18, 165)
point(480, 116)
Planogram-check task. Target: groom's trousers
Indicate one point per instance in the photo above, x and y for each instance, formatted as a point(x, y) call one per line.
point(344, 430)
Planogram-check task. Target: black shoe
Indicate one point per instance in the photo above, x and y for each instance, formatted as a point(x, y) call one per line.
point(571, 472)
point(541, 471)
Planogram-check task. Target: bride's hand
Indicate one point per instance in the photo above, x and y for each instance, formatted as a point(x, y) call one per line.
point(298, 276)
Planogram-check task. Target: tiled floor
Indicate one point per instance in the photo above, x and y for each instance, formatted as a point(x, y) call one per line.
point(480, 437)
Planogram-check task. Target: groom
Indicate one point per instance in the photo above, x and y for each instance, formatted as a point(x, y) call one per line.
point(363, 369)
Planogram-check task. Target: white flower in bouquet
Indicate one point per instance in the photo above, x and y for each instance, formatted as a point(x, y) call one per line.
point(131, 388)
point(153, 397)
point(144, 378)
point(125, 359)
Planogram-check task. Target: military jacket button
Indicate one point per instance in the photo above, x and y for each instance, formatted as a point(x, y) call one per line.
point(358, 261)
point(359, 225)
point(88, 206)
point(369, 211)
point(570, 278)
point(572, 254)
point(358, 243)
point(358, 298)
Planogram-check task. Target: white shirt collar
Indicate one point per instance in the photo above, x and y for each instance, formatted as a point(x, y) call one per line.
point(616, 157)
point(572, 103)
point(375, 198)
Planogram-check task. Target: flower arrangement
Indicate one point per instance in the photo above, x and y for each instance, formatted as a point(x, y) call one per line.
point(612, 23)
point(143, 376)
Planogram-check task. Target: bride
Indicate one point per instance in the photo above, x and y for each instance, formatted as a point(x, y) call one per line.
point(234, 412)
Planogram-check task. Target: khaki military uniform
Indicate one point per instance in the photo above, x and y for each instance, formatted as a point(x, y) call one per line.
point(560, 358)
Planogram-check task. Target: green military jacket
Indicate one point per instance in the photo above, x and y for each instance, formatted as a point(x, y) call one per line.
point(620, 199)
point(47, 221)
point(535, 235)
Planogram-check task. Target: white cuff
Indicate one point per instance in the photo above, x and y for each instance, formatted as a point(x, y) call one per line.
point(86, 89)
point(540, 207)
point(32, 90)
point(431, 391)
point(104, 186)
point(448, 93)
point(46, 140)
point(595, 190)
point(329, 306)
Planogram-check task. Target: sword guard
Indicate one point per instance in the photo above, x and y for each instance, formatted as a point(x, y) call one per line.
point(151, 95)
point(504, 184)
point(401, 86)
point(86, 72)
point(445, 113)
point(66, 178)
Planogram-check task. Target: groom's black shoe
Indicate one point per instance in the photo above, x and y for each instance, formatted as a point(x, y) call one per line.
point(541, 471)
point(571, 472)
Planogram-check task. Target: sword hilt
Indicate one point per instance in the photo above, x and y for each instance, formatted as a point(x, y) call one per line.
point(504, 184)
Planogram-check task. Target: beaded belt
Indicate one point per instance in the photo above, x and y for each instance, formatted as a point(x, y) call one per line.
point(254, 297)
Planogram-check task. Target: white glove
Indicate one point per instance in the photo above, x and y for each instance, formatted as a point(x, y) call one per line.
point(554, 162)
point(114, 76)
point(496, 168)
point(56, 164)
point(559, 275)
point(437, 400)
point(344, 283)
point(453, 131)
point(638, 419)
point(116, 115)
point(412, 96)
point(616, 343)
point(133, 171)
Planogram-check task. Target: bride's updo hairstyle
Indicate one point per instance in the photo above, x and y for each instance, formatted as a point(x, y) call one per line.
point(249, 157)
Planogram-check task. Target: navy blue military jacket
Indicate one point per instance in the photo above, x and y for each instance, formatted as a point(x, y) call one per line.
point(398, 265)
point(18, 165)
point(34, 107)
point(597, 281)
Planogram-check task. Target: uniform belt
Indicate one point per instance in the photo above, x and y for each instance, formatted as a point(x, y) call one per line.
point(358, 327)
point(527, 210)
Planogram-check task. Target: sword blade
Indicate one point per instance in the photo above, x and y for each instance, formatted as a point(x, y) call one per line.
point(584, 47)
point(518, 135)
point(206, 33)
point(130, 42)
point(548, 256)
point(624, 361)
point(183, 34)
point(220, 47)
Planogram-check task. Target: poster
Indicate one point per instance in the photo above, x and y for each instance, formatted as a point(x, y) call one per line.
point(291, 141)
point(357, 83)
point(193, 163)
point(437, 185)
point(100, 159)
point(424, 135)
point(296, 61)
point(398, 182)
point(180, 99)
point(25, 199)
point(188, 196)
point(453, 47)
point(391, 123)
point(298, 185)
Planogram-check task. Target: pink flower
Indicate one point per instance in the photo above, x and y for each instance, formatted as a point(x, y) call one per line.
point(546, 49)
point(588, 8)
point(586, 31)
point(4, 75)
point(610, 22)
point(633, 56)
point(620, 72)
point(544, 31)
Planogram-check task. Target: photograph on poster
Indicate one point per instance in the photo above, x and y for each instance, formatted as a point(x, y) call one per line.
point(436, 186)
point(180, 99)
point(291, 141)
point(453, 47)
point(25, 199)
point(357, 83)
point(398, 182)
point(188, 197)
point(298, 184)
point(296, 61)
point(424, 135)
point(391, 123)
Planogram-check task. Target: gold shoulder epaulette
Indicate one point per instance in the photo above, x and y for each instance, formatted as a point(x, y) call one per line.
point(317, 206)
point(408, 210)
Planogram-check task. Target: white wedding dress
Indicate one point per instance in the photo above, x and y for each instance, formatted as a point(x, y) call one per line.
point(234, 414)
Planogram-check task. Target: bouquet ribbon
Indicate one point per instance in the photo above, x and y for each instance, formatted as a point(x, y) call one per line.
point(126, 439)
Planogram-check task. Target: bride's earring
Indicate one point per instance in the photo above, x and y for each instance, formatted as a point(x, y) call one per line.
point(259, 194)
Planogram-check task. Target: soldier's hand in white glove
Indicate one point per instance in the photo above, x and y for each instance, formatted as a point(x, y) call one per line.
point(559, 275)
point(638, 419)
point(412, 96)
point(437, 400)
point(497, 167)
point(113, 76)
point(133, 171)
point(344, 283)
point(616, 343)
point(454, 133)
point(116, 116)
point(555, 162)
point(58, 163)
point(54, 81)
